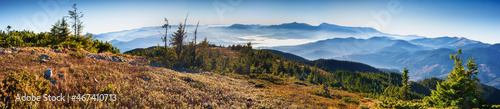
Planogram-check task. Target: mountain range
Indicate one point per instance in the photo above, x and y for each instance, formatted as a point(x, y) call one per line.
point(286, 34)
point(425, 57)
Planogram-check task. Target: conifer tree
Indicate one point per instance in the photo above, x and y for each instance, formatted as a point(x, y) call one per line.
point(60, 31)
point(460, 88)
point(406, 86)
point(177, 39)
point(77, 23)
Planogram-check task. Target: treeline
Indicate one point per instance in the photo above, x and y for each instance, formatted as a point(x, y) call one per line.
point(59, 37)
point(46, 39)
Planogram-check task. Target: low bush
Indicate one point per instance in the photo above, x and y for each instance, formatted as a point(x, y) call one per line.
point(400, 104)
point(350, 100)
point(78, 55)
point(18, 84)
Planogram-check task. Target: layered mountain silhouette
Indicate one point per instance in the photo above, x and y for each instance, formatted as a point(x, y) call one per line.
point(436, 63)
point(448, 42)
point(242, 33)
point(425, 57)
point(336, 47)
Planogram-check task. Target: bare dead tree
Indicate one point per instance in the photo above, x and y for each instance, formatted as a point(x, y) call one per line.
point(195, 32)
point(165, 36)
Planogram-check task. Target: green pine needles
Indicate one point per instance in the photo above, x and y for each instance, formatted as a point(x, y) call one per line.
point(406, 85)
point(460, 88)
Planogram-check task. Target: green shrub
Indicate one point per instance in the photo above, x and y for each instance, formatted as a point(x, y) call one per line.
point(14, 41)
point(78, 55)
point(400, 104)
point(271, 78)
point(363, 107)
point(21, 83)
point(259, 85)
point(350, 100)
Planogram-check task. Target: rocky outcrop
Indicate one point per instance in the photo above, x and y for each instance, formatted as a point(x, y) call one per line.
point(5, 52)
point(106, 58)
point(43, 56)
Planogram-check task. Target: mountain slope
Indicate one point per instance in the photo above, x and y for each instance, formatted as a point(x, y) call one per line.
point(288, 56)
point(329, 63)
point(138, 86)
point(342, 65)
point(435, 63)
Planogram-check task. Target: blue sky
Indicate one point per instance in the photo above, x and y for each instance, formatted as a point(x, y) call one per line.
point(473, 19)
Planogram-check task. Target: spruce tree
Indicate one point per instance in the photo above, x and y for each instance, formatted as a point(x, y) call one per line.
point(60, 31)
point(177, 39)
point(406, 86)
point(460, 88)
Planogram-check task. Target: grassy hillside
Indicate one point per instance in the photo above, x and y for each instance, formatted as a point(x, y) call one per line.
point(145, 86)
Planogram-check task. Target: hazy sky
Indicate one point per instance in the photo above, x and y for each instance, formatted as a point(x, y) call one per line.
point(473, 19)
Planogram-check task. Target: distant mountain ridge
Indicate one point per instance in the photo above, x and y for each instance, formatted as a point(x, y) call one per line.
point(436, 63)
point(336, 47)
point(419, 55)
point(449, 42)
point(241, 33)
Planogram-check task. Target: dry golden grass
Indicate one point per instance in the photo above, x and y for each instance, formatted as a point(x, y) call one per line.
point(151, 87)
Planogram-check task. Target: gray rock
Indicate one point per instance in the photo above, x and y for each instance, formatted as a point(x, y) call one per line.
point(60, 76)
point(5, 51)
point(115, 58)
point(121, 60)
point(43, 56)
point(48, 73)
point(33, 52)
point(95, 81)
point(44, 61)
point(108, 58)
point(153, 64)
point(15, 49)
point(249, 99)
point(53, 81)
point(133, 63)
